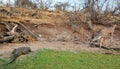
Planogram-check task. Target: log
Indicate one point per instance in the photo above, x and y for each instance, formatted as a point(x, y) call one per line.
point(7, 38)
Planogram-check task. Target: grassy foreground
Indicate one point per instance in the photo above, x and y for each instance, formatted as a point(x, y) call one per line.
point(50, 59)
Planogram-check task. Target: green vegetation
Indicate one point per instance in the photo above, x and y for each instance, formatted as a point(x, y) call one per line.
point(51, 59)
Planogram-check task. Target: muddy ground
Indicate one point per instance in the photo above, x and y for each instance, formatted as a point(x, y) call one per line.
point(54, 31)
point(59, 39)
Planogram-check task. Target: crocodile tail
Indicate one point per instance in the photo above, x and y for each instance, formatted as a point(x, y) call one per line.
point(12, 60)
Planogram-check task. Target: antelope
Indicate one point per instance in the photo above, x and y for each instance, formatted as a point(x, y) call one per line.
point(104, 34)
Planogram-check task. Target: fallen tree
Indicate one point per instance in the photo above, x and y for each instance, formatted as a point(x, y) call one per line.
point(16, 32)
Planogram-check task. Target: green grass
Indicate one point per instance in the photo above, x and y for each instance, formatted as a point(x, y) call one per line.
point(51, 59)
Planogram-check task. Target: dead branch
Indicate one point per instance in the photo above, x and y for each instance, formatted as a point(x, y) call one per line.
point(6, 39)
point(13, 30)
point(6, 25)
point(28, 31)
